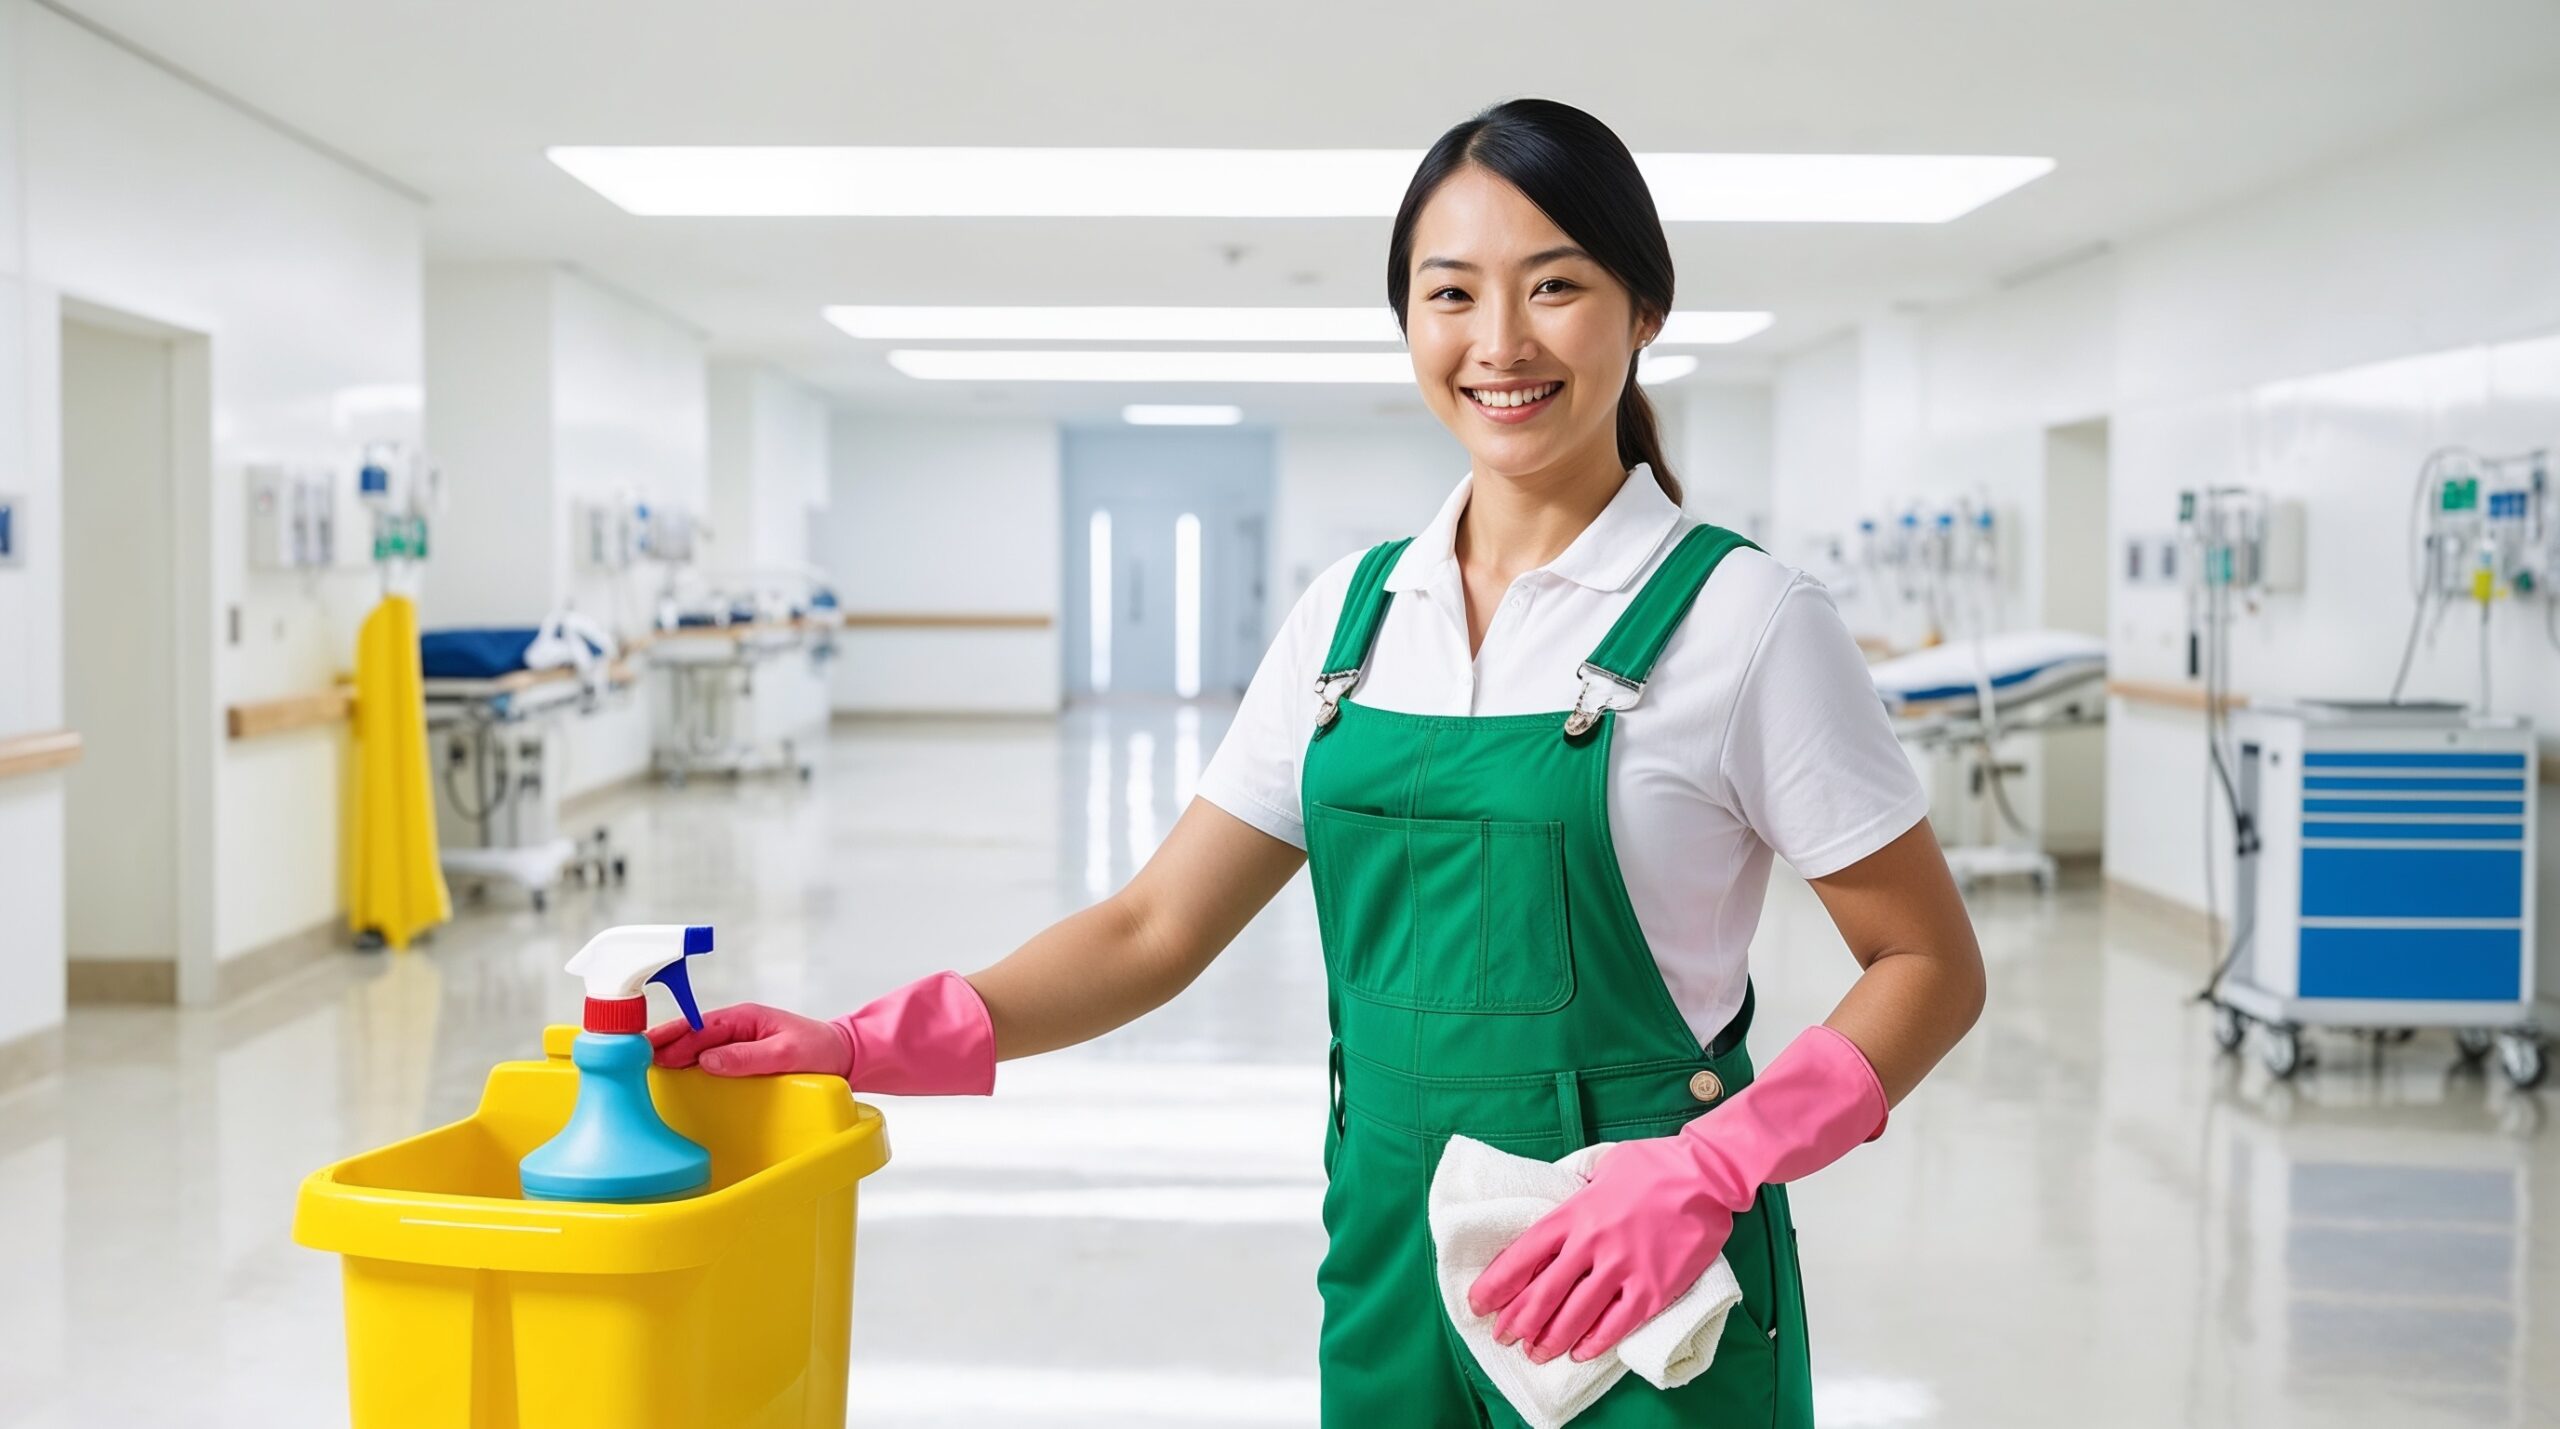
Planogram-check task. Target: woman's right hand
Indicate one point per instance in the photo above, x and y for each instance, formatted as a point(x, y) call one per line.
point(753, 1040)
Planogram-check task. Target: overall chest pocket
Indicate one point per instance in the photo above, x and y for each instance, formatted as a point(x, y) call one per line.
point(1442, 915)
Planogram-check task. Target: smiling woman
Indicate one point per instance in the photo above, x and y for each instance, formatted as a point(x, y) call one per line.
point(1538, 760)
point(1540, 275)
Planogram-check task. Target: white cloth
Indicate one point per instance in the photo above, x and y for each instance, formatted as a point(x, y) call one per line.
point(1760, 732)
point(1481, 1201)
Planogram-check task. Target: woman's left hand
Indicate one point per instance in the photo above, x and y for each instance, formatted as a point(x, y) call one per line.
point(1615, 1254)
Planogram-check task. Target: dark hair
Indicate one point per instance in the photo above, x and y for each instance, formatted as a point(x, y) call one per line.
point(1582, 177)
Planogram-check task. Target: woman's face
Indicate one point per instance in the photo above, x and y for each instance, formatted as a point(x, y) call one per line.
point(1520, 341)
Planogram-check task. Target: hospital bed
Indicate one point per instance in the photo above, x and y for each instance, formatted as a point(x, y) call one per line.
point(1961, 699)
point(742, 675)
point(496, 699)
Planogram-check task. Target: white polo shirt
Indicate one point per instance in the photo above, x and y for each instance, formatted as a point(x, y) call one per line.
point(1759, 731)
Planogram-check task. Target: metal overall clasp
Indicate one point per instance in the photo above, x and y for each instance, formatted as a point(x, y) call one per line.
point(1331, 686)
point(1587, 714)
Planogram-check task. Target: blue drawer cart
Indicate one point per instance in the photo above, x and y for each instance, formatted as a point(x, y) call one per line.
point(2391, 886)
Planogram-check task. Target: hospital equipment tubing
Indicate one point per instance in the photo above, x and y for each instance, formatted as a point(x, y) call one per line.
point(495, 759)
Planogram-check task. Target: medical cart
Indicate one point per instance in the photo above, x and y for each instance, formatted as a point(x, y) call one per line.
point(497, 755)
point(2389, 882)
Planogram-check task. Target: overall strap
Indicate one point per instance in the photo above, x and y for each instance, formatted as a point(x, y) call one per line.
point(1364, 609)
point(1626, 654)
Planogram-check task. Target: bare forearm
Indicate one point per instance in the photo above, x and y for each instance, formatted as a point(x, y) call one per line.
point(1923, 986)
point(1908, 1010)
point(1085, 975)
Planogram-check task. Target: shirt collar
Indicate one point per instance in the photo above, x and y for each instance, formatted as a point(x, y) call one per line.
point(1604, 557)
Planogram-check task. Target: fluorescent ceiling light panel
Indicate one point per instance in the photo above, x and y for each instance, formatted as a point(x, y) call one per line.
point(1711, 329)
point(1167, 324)
point(1170, 324)
point(1381, 368)
point(1145, 414)
point(945, 365)
point(741, 181)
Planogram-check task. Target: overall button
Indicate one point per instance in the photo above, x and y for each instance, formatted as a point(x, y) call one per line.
point(1706, 1087)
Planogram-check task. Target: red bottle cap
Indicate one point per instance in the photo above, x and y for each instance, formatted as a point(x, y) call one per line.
point(617, 1014)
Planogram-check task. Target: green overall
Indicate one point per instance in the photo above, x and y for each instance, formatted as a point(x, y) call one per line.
point(1487, 978)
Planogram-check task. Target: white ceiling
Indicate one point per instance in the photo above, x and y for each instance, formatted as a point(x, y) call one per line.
point(2155, 109)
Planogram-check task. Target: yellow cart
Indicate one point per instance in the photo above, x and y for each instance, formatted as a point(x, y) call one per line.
point(470, 1306)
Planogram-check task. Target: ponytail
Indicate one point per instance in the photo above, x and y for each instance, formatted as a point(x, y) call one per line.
point(1640, 439)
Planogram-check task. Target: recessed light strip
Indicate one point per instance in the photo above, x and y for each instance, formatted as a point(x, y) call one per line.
point(1174, 324)
point(711, 181)
point(1381, 368)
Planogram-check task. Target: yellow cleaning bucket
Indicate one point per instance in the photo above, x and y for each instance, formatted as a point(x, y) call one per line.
point(467, 1305)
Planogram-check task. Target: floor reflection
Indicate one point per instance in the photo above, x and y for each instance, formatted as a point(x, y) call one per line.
point(2088, 1217)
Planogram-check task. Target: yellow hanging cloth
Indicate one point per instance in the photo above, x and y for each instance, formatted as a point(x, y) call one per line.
point(395, 882)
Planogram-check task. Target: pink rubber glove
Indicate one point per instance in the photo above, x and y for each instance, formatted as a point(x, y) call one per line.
point(929, 1038)
point(1658, 1211)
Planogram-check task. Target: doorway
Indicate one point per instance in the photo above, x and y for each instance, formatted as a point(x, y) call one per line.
point(2071, 764)
point(137, 914)
point(1166, 560)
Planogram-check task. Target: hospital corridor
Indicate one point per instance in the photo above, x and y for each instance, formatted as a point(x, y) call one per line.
point(773, 716)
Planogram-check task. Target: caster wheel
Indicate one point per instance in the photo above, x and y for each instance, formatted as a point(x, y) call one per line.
point(578, 873)
point(620, 869)
point(479, 893)
point(2230, 1028)
point(541, 900)
point(370, 941)
point(2281, 1051)
point(2520, 1056)
point(808, 773)
point(2474, 1042)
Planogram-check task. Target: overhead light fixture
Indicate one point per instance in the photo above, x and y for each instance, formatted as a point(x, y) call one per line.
point(1162, 324)
point(1159, 414)
point(1705, 329)
point(817, 181)
point(1382, 368)
point(1172, 324)
point(949, 365)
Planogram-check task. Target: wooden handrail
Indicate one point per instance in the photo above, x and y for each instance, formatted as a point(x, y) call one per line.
point(256, 719)
point(944, 620)
point(36, 753)
point(2176, 695)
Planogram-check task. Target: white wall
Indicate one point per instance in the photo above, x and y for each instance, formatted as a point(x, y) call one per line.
point(546, 392)
point(769, 452)
point(1344, 487)
point(2317, 340)
point(308, 303)
point(488, 424)
point(31, 809)
point(937, 516)
point(1815, 448)
point(630, 408)
point(1720, 442)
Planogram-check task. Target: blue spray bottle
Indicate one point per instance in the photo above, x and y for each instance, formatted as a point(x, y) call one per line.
point(615, 1147)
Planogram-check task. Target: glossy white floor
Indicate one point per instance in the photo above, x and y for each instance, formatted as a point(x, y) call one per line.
point(2086, 1217)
